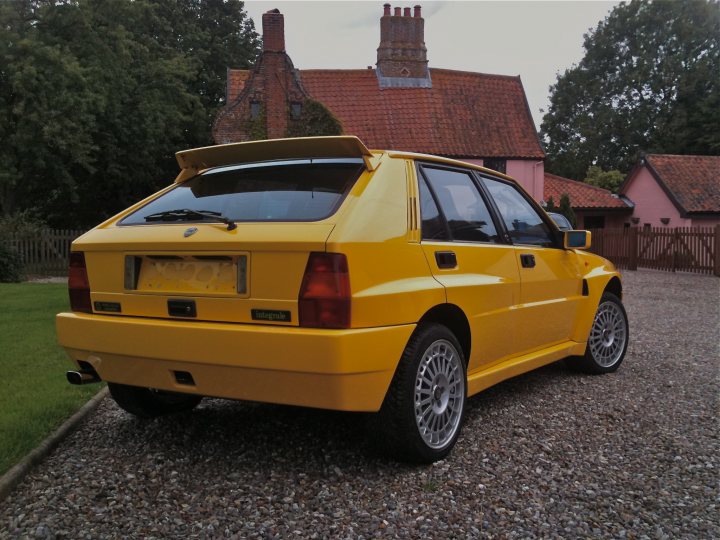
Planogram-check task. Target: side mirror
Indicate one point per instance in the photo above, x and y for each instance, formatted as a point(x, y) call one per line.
point(577, 239)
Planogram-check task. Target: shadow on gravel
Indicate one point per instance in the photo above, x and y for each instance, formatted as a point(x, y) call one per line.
point(241, 437)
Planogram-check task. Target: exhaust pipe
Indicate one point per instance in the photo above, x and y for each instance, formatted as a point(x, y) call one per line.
point(82, 377)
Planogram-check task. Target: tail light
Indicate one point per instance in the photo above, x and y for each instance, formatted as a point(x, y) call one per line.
point(78, 284)
point(324, 300)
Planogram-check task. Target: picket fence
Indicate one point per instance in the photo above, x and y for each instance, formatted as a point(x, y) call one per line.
point(45, 252)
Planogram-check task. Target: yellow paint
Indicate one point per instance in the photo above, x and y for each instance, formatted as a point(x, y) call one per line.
point(519, 318)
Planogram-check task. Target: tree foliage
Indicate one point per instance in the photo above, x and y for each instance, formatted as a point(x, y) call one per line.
point(610, 180)
point(550, 205)
point(566, 209)
point(97, 96)
point(649, 81)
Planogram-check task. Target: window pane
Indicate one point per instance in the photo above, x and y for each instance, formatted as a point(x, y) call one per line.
point(433, 227)
point(290, 191)
point(464, 208)
point(522, 221)
point(495, 164)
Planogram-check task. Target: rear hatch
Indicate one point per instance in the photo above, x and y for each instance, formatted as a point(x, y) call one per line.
point(230, 244)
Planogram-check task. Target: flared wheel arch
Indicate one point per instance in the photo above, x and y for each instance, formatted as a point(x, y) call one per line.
point(455, 320)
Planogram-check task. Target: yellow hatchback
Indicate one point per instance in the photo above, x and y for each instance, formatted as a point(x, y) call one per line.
point(318, 273)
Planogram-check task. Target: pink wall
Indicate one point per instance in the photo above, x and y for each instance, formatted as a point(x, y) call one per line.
point(651, 204)
point(530, 174)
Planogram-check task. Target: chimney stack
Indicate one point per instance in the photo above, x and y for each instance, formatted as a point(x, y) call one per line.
point(273, 24)
point(402, 52)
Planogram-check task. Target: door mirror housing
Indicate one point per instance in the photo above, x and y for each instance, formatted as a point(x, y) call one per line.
point(577, 239)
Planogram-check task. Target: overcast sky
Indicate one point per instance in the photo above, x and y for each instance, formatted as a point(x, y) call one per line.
point(533, 39)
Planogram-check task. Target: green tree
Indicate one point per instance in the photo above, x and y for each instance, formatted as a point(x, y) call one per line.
point(610, 180)
point(649, 81)
point(550, 205)
point(91, 125)
point(566, 209)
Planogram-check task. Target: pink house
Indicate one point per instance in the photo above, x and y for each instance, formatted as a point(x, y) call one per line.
point(400, 104)
point(674, 191)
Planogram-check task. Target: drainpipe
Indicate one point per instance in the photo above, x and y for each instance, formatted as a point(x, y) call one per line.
point(542, 192)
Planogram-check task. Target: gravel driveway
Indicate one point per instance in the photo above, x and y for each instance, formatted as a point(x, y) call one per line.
point(548, 454)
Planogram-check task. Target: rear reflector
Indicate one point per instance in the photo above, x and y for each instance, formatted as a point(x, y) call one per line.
point(78, 284)
point(324, 300)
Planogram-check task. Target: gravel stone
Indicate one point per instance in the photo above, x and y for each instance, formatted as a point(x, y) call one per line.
point(550, 454)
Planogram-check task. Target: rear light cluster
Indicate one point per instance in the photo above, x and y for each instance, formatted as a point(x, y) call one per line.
point(324, 300)
point(78, 284)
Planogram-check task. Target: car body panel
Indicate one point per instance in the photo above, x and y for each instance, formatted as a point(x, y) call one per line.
point(332, 369)
point(549, 296)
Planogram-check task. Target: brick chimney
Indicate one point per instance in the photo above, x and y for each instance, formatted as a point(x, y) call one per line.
point(402, 53)
point(273, 24)
point(273, 73)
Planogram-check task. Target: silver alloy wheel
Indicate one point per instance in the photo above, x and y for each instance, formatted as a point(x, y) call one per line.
point(608, 334)
point(439, 394)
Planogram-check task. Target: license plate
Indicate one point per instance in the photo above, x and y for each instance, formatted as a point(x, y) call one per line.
point(189, 274)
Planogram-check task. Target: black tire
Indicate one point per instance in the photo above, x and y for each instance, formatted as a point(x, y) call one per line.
point(593, 361)
point(148, 403)
point(395, 427)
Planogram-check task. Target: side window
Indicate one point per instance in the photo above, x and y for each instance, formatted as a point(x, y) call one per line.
point(433, 226)
point(522, 221)
point(465, 211)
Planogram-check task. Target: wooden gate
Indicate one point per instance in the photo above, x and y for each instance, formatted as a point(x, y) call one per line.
point(685, 249)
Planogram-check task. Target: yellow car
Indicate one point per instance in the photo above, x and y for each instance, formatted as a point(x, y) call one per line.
point(318, 273)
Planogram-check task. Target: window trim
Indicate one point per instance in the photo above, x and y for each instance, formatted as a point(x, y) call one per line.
point(554, 236)
point(503, 238)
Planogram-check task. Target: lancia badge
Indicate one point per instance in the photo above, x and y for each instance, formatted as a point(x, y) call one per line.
point(190, 231)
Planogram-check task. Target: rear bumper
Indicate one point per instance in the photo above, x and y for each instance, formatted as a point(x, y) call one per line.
point(346, 370)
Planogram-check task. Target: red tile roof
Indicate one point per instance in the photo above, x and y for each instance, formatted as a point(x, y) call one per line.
point(464, 114)
point(581, 195)
point(693, 181)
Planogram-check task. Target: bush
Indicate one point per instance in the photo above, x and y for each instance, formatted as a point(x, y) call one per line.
point(25, 222)
point(10, 265)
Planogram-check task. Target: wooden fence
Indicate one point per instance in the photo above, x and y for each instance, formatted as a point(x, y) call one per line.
point(45, 252)
point(683, 249)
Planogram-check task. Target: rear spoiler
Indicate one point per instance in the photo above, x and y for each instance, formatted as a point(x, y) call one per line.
point(193, 161)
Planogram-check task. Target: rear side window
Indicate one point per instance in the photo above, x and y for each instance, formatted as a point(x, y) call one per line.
point(523, 223)
point(464, 209)
point(304, 190)
point(433, 226)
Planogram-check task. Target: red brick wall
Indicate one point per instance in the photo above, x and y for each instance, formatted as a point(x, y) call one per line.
point(273, 85)
point(402, 51)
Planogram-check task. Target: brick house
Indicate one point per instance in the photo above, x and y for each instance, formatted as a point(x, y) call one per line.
point(594, 207)
point(674, 191)
point(401, 104)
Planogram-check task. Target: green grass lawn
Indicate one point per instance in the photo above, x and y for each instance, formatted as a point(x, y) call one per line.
point(35, 397)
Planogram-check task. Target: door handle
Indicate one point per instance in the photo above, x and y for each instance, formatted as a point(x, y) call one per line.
point(527, 260)
point(446, 259)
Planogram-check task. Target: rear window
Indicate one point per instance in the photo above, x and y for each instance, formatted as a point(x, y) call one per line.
point(302, 190)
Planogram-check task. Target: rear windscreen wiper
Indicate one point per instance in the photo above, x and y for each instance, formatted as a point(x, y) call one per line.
point(183, 214)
